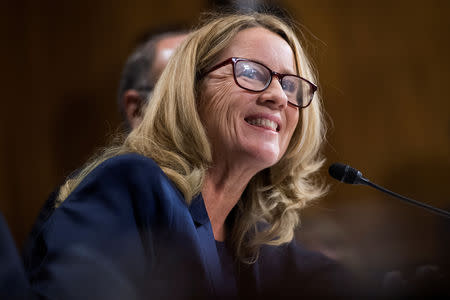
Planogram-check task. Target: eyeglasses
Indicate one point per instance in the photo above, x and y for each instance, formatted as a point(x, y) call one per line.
point(256, 77)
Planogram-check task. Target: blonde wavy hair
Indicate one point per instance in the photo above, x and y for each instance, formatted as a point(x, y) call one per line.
point(172, 134)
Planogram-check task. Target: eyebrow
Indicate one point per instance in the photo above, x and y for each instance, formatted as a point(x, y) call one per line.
point(284, 72)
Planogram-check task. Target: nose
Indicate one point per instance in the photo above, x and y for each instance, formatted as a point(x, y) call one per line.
point(274, 96)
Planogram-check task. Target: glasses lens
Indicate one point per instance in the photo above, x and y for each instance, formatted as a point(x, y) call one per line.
point(251, 75)
point(256, 77)
point(297, 90)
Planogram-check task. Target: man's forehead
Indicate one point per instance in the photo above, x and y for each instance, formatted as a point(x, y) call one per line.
point(163, 50)
point(170, 42)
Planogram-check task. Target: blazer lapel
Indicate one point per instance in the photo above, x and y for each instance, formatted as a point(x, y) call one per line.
point(210, 257)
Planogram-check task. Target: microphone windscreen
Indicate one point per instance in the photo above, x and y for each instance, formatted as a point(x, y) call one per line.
point(343, 173)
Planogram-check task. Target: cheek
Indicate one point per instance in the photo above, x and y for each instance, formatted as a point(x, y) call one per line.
point(292, 118)
point(292, 115)
point(214, 105)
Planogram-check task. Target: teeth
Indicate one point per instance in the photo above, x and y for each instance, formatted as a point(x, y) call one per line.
point(264, 123)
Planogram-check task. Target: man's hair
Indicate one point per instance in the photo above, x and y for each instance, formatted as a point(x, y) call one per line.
point(138, 67)
point(173, 135)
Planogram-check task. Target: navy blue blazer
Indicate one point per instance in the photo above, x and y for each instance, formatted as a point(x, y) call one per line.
point(13, 281)
point(126, 233)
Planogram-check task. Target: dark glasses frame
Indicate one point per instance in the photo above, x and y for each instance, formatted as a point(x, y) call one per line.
point(279, 76)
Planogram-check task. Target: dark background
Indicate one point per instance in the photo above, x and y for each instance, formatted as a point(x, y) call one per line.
point(384, 71)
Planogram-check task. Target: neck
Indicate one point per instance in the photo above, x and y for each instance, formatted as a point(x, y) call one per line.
point(221, 191)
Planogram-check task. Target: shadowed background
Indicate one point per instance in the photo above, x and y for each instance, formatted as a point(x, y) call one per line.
point(384, 70)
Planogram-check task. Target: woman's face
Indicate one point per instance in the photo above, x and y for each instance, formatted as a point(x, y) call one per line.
point(244, 127)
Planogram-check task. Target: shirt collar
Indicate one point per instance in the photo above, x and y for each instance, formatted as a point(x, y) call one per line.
point(198, 210)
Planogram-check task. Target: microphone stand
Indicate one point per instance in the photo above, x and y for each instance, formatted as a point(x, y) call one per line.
point(361, 180)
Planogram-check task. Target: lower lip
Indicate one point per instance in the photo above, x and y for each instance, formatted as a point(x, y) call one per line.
point(262, 129)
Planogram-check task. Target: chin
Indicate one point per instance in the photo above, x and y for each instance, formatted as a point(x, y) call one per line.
point(266, 157)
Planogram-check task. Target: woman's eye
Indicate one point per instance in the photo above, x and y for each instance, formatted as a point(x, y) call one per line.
point(249, 73)
point(289, 86)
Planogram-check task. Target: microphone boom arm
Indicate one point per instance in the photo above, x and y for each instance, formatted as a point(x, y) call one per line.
point(349, 175)
point(433, 209)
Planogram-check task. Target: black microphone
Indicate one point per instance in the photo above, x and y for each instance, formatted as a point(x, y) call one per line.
point(347, 174)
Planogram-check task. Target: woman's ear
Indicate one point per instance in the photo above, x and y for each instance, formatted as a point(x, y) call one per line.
point(132, 103)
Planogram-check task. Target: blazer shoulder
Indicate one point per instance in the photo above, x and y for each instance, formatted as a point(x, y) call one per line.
point(129, 176)
point(128, 163)
point(129, 169)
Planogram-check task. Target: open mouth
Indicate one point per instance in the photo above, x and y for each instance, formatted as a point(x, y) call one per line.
point(264, 123)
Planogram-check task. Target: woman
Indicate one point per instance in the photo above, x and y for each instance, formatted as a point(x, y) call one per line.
point(202, 198)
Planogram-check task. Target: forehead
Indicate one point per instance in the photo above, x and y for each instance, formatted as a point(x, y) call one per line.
point(164, 48)
point(170, 42)
point(262, 45)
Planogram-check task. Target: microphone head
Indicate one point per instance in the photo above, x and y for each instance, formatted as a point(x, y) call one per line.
point(345, 173)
